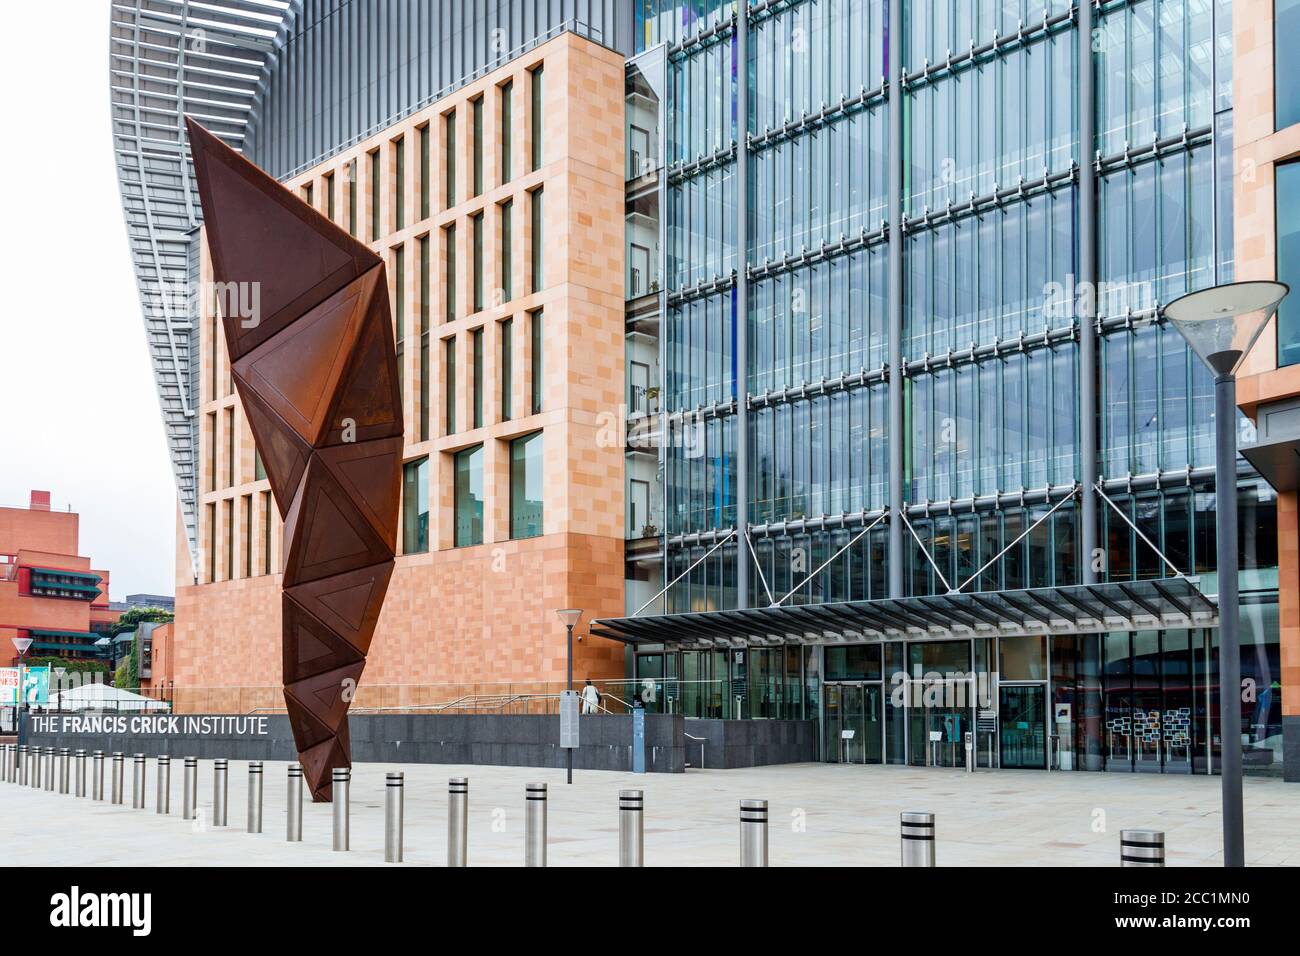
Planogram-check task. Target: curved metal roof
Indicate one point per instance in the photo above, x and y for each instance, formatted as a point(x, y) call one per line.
point(169, 58)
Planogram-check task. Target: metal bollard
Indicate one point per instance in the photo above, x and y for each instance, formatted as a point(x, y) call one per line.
point(38, 762)
point(190, 788)
point(25, 765)
point(220, 790)
point(457, 821)
point(535, 824)
point(255, 796)
point(294, 796)
point(137, 782)
point(49, 769)
point(63, 769)
point(342, 781)
point(80, 773)
point(1141, 848)
point(4, 762)
point(163, 803)
point(970, 752)
point(97, 775)
point(395, 798)
point(917, 831)
point(753, 833)
point(118, 771)
point(631, 828)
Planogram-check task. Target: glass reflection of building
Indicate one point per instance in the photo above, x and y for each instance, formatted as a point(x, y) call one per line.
point(979, 400)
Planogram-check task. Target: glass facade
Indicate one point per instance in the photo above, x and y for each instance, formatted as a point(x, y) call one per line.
point(966, 321)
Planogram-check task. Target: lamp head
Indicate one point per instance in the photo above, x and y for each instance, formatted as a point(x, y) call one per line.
point(21, 644)
point(1223, 322)
point(569, 616)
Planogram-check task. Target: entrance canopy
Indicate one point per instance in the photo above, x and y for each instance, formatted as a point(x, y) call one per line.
point(1079, 609)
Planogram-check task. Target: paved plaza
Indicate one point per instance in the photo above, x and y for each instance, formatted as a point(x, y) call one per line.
point(821, 815)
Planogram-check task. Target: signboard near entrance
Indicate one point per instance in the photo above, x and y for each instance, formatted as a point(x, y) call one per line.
point(987, 722)
point(569, 720)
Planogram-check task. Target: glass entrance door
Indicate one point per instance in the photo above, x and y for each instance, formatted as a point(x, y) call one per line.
point(853, 723)
point(1022, 716)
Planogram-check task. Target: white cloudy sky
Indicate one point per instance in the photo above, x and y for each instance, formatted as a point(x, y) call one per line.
point(78, 412)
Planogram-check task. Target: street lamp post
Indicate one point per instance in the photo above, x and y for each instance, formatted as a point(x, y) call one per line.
point(1221, 324)
point(570, 617)
point(21, 644)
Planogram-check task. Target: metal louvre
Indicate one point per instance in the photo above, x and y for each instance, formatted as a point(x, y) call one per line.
point(168, 58)
point(1077, 609)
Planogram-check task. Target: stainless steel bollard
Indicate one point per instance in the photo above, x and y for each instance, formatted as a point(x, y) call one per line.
point(631, 828)
point(118, 771)
point(535, 824)
point(38, 761)
point(753, 833)
point(1141, 848)
point(917, 832)
point(49, 769)
point(163, 803)
point(97, 775)
point(24, 765)
point(79, 773)
point(394, 798)
point(220, 790)
point(293, 792)
point(190, 788)
point(458, 821)
point(342, 781)
point(970, 752)
point(4, 762)
point(255, 796)
point(64, 759)
point(137, 782)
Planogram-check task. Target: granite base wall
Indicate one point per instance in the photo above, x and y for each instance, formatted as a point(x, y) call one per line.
point(730, 744)
point(466, 739)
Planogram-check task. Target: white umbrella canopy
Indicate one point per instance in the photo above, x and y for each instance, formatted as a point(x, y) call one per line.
point(102, 697)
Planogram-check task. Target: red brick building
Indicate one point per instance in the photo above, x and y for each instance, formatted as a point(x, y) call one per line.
point(48, 591)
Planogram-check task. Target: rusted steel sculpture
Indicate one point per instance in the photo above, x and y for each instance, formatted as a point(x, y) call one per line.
point(311, 349)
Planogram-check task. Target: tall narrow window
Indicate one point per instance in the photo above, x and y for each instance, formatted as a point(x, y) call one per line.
point(537, 241)
point(526, 486)
point(507, 368)
point(415, 507)
point(469, 496)
point(449, 272)
point(449, 384)
point(535, 78)
point(329, 196)
point(307, 194)
point(506, 90)
point(449, 160)
point(477, 342)
point(399, 312)
point(247, 507)
point(507, 252)
point(259, 469)
point(352, 197)
point(399, 182)
point(477, 223)
point(230, 447)
point(1286, 71)
point(212, 541)
point(212, 451)
point(266, 532)
point(537, 365)
point(228, 515)
point(376, 186)
point(478, 145)
point(424, 171)
point(424, 338)
point(1287, 176)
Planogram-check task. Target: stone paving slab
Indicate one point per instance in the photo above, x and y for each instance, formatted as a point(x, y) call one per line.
point(821, 815)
